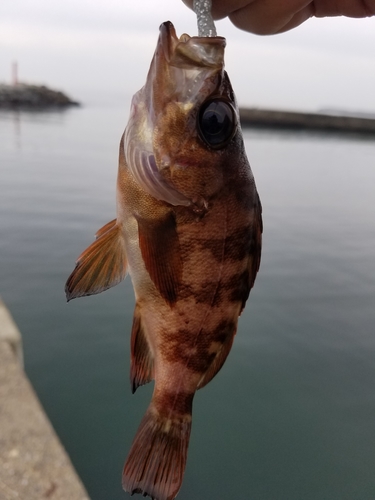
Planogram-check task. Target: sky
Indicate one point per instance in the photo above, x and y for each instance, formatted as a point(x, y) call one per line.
point(100, 51)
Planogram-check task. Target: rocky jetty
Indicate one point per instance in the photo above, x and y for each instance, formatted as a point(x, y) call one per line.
point(25, 96)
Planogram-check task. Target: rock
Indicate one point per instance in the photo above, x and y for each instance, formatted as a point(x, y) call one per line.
point(32, 97)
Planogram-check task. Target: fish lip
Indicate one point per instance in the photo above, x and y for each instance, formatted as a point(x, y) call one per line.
point(188, 51)
point(167, 39)
point(184, 70)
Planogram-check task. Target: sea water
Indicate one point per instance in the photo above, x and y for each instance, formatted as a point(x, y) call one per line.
point(291, 416)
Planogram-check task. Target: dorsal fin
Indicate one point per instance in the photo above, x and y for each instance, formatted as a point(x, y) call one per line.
point(102, 265)
point(142, 359)
point(255, 250)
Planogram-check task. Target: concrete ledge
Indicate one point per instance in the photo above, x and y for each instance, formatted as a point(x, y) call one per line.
point(10, 333)
point(33, 462)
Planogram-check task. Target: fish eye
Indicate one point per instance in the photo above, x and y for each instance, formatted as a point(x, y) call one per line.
point(216, 123)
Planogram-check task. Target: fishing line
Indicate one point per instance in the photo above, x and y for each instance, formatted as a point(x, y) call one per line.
point(206, 25)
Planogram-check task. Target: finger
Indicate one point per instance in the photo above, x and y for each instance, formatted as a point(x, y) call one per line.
point(263, 17)
point(266, 17)
point(223, 8)
point(348, 8)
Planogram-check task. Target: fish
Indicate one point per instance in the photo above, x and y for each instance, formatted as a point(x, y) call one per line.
point(189, 232)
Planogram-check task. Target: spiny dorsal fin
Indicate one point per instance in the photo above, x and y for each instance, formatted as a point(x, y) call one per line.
point(142, 360)
point(256, 246)
point(102, 265)
point(255, 250)
point(160, 248)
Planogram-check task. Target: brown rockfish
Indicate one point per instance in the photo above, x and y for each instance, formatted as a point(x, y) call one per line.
point(188, 231)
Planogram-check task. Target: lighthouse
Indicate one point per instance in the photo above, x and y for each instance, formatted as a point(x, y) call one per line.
point(14, 74)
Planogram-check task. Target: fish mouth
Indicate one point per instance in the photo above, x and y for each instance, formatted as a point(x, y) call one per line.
point(185, 69)
point(187, 51)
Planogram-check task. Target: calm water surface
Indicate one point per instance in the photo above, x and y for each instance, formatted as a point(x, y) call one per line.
point(291, 416)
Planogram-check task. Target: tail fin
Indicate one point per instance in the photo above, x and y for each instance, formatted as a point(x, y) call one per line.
point(156, 463)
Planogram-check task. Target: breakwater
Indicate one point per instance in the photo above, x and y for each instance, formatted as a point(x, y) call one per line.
point(289, 120)
point(25, 96)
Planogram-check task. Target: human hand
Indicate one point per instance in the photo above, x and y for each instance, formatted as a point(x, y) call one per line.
point(268, 17)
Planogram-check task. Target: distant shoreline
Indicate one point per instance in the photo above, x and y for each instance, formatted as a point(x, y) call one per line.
point(24, 96)
point(288, 120)
point(33, 97)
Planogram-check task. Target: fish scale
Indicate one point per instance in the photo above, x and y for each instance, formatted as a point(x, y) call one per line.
point(188, 231)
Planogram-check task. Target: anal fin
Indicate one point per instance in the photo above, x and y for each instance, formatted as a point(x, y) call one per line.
point(102, 265)
point(142, 360)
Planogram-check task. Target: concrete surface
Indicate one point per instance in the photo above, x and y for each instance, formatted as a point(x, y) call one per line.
point(10, 333)
point(33, 462)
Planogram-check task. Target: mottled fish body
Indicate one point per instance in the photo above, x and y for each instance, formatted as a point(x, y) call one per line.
point(188, 230)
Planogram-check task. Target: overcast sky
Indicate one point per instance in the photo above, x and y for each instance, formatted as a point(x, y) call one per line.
point(101, 50)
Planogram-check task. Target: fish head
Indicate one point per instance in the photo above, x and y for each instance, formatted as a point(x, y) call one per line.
point(183, 121)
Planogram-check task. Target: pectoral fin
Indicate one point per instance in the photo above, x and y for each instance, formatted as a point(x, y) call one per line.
point(102, 265)
point(160, 248)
